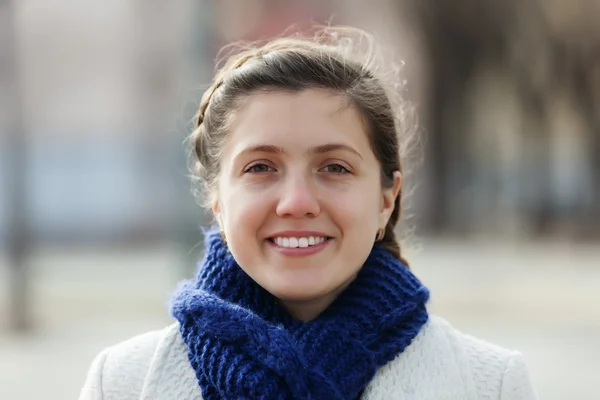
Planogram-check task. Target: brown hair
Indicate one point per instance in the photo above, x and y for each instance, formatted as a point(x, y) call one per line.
point(340, 59)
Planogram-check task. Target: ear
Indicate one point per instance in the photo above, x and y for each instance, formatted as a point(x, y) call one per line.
point(388, 199)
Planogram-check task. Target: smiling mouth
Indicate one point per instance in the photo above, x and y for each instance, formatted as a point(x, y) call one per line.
point(299, 242)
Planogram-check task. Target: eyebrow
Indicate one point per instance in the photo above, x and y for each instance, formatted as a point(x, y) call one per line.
point(324, 148)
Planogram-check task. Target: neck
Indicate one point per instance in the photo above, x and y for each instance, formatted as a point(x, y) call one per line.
point(306, 310)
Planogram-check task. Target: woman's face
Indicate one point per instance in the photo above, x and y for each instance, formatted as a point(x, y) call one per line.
point(300, 198)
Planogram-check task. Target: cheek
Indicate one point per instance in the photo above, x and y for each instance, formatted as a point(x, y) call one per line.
point(357, 208)
point(242, 209)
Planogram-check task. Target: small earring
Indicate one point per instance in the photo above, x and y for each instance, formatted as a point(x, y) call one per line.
point(221, 230)
point(380, 235)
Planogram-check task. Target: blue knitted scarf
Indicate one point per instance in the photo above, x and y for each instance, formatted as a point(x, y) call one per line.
point(243, 345)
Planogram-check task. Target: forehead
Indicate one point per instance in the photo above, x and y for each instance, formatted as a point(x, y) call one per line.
point(296, 120)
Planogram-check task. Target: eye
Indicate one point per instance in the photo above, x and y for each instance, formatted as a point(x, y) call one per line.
point(336, 169)
point(258, 168)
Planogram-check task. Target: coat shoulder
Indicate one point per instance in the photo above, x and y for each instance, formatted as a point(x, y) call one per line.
point(473, 349)
point(441, 359)
point(495, 371)
point(126, 370)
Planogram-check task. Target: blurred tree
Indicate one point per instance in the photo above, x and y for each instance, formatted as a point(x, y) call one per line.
point(521, 40)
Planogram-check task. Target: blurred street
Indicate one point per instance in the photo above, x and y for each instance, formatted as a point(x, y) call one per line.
point(541, 299)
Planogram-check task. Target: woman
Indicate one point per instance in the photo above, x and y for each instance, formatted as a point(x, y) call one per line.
point(303, 292)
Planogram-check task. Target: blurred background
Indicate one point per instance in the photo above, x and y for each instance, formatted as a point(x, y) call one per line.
point(97, 223)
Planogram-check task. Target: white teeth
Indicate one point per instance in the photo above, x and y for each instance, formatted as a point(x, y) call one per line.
point(294, 242)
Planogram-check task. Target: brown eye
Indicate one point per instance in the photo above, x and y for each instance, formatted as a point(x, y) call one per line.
point(258, 168)
point(336, 169)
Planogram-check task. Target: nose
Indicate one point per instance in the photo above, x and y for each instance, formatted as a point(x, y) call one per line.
point(298, 198)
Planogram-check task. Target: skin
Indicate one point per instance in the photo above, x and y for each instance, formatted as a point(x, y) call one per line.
point(301, 161)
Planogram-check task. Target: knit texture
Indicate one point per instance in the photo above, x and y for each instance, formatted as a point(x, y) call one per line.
point(243, 345)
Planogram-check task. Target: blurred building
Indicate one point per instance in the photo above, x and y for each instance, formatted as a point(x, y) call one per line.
point(102, 87)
